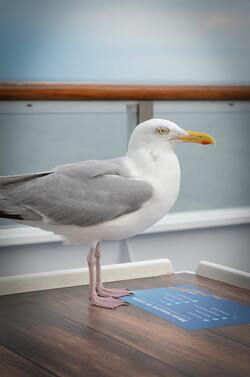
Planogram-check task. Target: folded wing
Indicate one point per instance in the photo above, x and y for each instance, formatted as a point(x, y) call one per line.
point(82, 194)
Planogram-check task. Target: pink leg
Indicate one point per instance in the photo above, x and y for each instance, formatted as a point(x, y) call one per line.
point(106, 292)
point(108, 302)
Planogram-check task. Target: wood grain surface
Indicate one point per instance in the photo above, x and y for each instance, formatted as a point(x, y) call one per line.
point(56, 332)
point(107, 92)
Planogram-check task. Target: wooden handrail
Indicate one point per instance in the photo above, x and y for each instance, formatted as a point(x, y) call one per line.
point(97, 92)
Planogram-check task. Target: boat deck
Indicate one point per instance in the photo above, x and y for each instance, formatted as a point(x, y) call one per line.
point(57, 333)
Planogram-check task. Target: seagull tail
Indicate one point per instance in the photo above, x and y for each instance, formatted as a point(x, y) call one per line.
point(10, 209)
point(13, 211)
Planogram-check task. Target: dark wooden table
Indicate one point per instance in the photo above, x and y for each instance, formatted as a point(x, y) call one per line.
point(57, 333)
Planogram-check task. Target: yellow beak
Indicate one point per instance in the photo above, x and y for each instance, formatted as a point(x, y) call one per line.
point(197, 137)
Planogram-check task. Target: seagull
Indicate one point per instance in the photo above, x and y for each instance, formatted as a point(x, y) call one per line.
point(96, 200)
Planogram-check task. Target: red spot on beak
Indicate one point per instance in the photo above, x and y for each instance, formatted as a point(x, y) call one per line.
point(205, 142)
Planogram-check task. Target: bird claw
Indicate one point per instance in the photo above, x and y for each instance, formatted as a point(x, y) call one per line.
point(113, 292)
point(106, 302)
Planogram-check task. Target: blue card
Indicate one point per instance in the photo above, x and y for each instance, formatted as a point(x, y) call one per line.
point(190, 307)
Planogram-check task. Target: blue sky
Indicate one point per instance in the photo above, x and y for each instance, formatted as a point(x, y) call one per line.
point(143, 41)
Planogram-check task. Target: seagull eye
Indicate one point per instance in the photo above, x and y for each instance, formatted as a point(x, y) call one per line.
point(162, 131)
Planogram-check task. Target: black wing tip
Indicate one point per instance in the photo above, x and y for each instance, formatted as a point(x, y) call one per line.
point(11, 216)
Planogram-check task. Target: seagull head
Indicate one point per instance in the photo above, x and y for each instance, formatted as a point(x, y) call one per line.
point(162, 132)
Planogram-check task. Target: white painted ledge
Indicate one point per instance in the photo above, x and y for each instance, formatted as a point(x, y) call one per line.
point(225, 274)
point(202, 219)
point(23, 235)
point(80, 276)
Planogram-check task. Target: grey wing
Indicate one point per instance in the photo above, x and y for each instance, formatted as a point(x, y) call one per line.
point(82, 195)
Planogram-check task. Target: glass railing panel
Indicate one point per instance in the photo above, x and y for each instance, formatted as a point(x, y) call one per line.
point(41, 136)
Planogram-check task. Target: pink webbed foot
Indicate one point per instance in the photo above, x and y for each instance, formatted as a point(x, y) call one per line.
point(106, 302)
point(113, 292)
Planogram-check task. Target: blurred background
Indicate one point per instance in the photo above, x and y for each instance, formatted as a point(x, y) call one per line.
point(160, 41)
point(134, 42)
